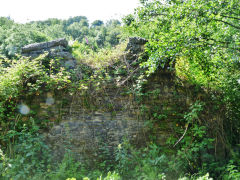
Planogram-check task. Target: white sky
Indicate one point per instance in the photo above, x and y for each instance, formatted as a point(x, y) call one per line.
point(29, 10)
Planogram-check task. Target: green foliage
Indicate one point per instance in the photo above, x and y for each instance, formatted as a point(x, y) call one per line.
point(205, 177)
point(28, 75)
point(194, 145)
point(206, 32)
point(14, 36)
point(231, 99)
point(197, 39)
point(199, 42)
point(77, 31)
point(110, 176)
point(233, 172)
point(147, 163)
point(97, 23)
point(55, 31)
point(68, 167)
point(102, 58)
point(25, 78)
point(27, 154)
point(29, 157)
point(76, 19)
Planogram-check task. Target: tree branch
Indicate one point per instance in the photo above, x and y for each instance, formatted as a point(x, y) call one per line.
point(182, 136)
point(230, 17)
point(131, 74)
point(237, 27)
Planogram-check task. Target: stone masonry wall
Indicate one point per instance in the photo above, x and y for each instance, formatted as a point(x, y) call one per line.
point(84, 128)
point(56, 49)
point(86, 122)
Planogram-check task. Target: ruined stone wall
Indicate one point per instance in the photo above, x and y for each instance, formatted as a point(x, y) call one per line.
point(86, 122)
point(85, 128)
point(56, 49)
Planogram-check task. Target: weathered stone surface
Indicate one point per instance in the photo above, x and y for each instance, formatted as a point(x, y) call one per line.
point(87, 133)
point(56, 49)
point(137, 41)
point(135, 47)
point(45, 45)
point(84, 131)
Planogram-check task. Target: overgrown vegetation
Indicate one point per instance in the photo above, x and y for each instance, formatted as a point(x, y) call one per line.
point(199, 41)
point(102, 58)
point(14, 36)
point(196, 40)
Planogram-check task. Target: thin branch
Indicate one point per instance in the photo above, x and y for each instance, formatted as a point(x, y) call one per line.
point(157, 14)
point(227, 43)
point(230, 17)
point(132, 73)
point(182, 136)
point(237, 27)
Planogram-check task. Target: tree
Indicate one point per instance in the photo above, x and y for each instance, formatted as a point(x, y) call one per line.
point(77, 31)
point(17, 36)
point(113, 23)
point(55, 31)
point(72, 20)
point(205, 32)
point(6, 22)
point(97, 23)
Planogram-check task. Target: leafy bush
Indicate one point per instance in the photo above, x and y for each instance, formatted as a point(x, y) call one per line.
point(68, 167)
point(27, 155)
point(24, 77)
point(203, 32)
point(232, 170)
point(102, 58)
